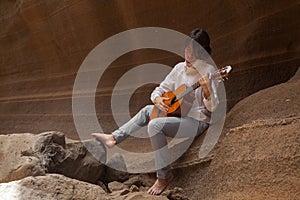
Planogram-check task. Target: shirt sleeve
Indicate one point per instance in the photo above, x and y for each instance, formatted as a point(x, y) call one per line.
point(168, 84)
point(212, 102)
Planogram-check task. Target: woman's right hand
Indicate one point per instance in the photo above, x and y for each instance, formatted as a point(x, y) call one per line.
point(159, 103)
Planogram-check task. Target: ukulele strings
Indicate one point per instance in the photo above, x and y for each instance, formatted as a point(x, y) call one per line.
point(190, 89)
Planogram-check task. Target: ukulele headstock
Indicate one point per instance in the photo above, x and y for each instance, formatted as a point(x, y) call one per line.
point(223, 73)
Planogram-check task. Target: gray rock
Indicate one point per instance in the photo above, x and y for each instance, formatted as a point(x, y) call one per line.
point(18, 159)
point(75, 161)
point(116, 186)
point(28, 154)
point(50, 186)
point(111, 172)
point(140, 180)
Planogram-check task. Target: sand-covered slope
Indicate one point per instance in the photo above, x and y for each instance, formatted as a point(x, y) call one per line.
point(259, 157)
point(279, 101)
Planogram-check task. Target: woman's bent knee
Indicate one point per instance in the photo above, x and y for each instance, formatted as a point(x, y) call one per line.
point(148, 108)
point(155, 126)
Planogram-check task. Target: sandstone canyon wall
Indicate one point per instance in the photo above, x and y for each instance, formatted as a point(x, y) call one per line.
point(43, 44)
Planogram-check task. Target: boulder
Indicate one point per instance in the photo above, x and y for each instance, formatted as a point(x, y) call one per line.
point(116, 186)
point(75, 160)
point(140, 180)
point(27, 154)
point(51, 187)
point(18, 159)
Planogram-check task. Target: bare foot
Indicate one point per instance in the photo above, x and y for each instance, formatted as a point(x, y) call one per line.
point(107, 139)
point(160, 185)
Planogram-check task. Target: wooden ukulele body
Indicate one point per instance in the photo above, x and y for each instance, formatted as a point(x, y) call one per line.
point(175, 107)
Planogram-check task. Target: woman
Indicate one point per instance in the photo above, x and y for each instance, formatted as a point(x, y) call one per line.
point(193, 124)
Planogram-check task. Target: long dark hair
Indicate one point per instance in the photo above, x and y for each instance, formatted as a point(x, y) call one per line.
point(201, 37)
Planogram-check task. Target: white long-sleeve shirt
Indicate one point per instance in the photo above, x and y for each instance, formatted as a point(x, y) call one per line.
point(182, 74)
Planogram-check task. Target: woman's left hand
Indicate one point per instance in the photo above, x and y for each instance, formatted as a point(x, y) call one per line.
point(205, 84)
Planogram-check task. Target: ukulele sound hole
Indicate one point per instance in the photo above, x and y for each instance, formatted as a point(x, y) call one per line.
point(173, 100)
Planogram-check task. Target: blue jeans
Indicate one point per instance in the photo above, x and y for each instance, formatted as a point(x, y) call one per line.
point(158, 129)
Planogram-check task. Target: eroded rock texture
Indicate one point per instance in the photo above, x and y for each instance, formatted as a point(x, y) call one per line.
point(28, 154)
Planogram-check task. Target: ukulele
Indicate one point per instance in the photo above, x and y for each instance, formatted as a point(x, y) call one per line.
point(178, 102)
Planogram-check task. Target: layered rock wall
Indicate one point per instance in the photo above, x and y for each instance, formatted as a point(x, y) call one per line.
point(43, 44)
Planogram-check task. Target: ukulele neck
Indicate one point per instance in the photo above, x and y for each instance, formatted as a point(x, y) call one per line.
point(219, 75)
point(185, 92)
